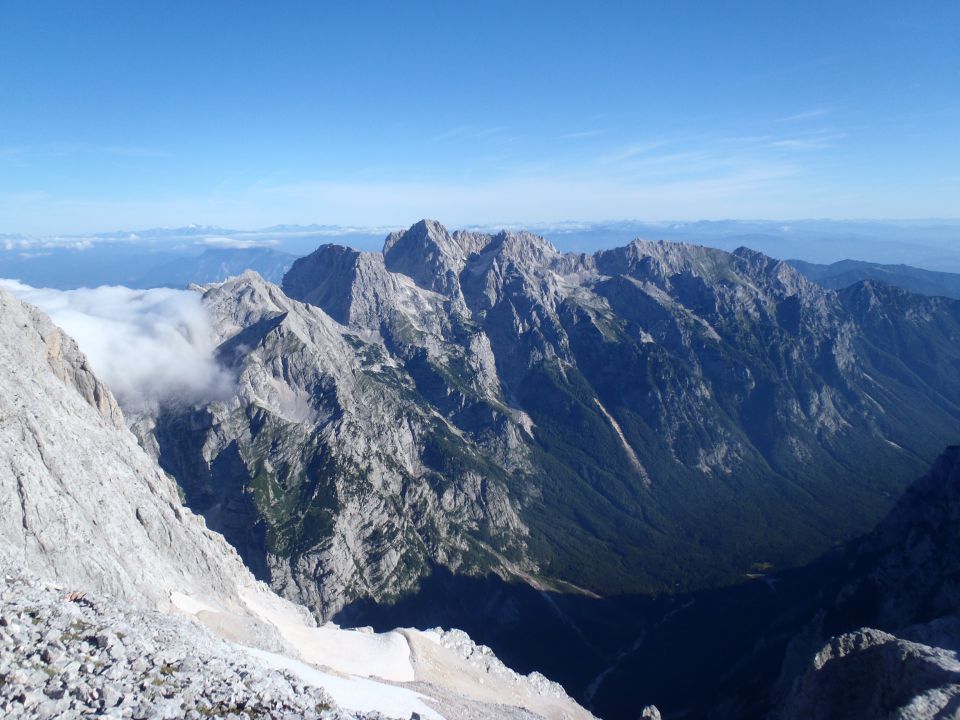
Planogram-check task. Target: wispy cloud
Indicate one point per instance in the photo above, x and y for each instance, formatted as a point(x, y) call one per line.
point(745, 139)
point(455, 132)
point(131, 151)
point(582, 134)
point(627, 152)
point(817, 140)
point(751, 169)
point(65, 150)
point(471, 132)
point(539, 198)
point(805, 115)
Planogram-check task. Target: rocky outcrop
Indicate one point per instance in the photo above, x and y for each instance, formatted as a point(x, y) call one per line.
point(72, 654)
point(431, 256)
point(895, 625)
point(873, 674)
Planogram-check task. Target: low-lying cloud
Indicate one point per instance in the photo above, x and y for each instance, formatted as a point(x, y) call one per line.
point(232, 243)
point(149, 346)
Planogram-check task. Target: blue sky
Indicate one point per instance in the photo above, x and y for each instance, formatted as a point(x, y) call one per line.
point(243, 114)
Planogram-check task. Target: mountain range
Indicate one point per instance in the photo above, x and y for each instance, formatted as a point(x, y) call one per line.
point(132, 258)
point(526, 411)
point(467, 408)
point(600, 465)
point(844, 273)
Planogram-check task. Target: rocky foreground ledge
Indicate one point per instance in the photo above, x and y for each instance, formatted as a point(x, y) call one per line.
point(71, 655)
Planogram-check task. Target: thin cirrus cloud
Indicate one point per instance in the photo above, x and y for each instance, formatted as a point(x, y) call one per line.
point(470, 132)
point(813, 141)
point(582, 134)
point(805, 115)
point(760, 173)
point(534, 198)
point(149, 346)
point(678, 186)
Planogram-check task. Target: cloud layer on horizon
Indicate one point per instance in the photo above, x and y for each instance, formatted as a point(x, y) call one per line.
point(149, 346)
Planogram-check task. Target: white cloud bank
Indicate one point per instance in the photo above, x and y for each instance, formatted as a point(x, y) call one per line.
point(149, 346)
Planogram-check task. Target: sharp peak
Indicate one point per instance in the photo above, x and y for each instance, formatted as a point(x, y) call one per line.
point(429, 224)
point(747, 252)
point(426, 226)
point(422, 228)
point(248, 276)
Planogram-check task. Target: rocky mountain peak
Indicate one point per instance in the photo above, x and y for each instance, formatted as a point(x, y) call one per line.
point(471, 242)
point(785, 276)
point(425, 230)
point(429, 255)
point(431, 233)
point(660, 260)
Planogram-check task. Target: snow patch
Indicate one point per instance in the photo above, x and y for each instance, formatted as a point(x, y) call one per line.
point(382, 655)
point(353, 693)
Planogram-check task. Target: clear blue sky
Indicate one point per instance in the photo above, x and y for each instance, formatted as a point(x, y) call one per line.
point(134, 114)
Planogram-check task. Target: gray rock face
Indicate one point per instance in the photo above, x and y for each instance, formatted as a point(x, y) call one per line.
point(82, 501)
point(325, 454)
point(430, 256)
point(911, 563)
point(872, 674)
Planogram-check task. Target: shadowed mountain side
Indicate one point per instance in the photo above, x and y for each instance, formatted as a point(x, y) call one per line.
point(710, 654)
